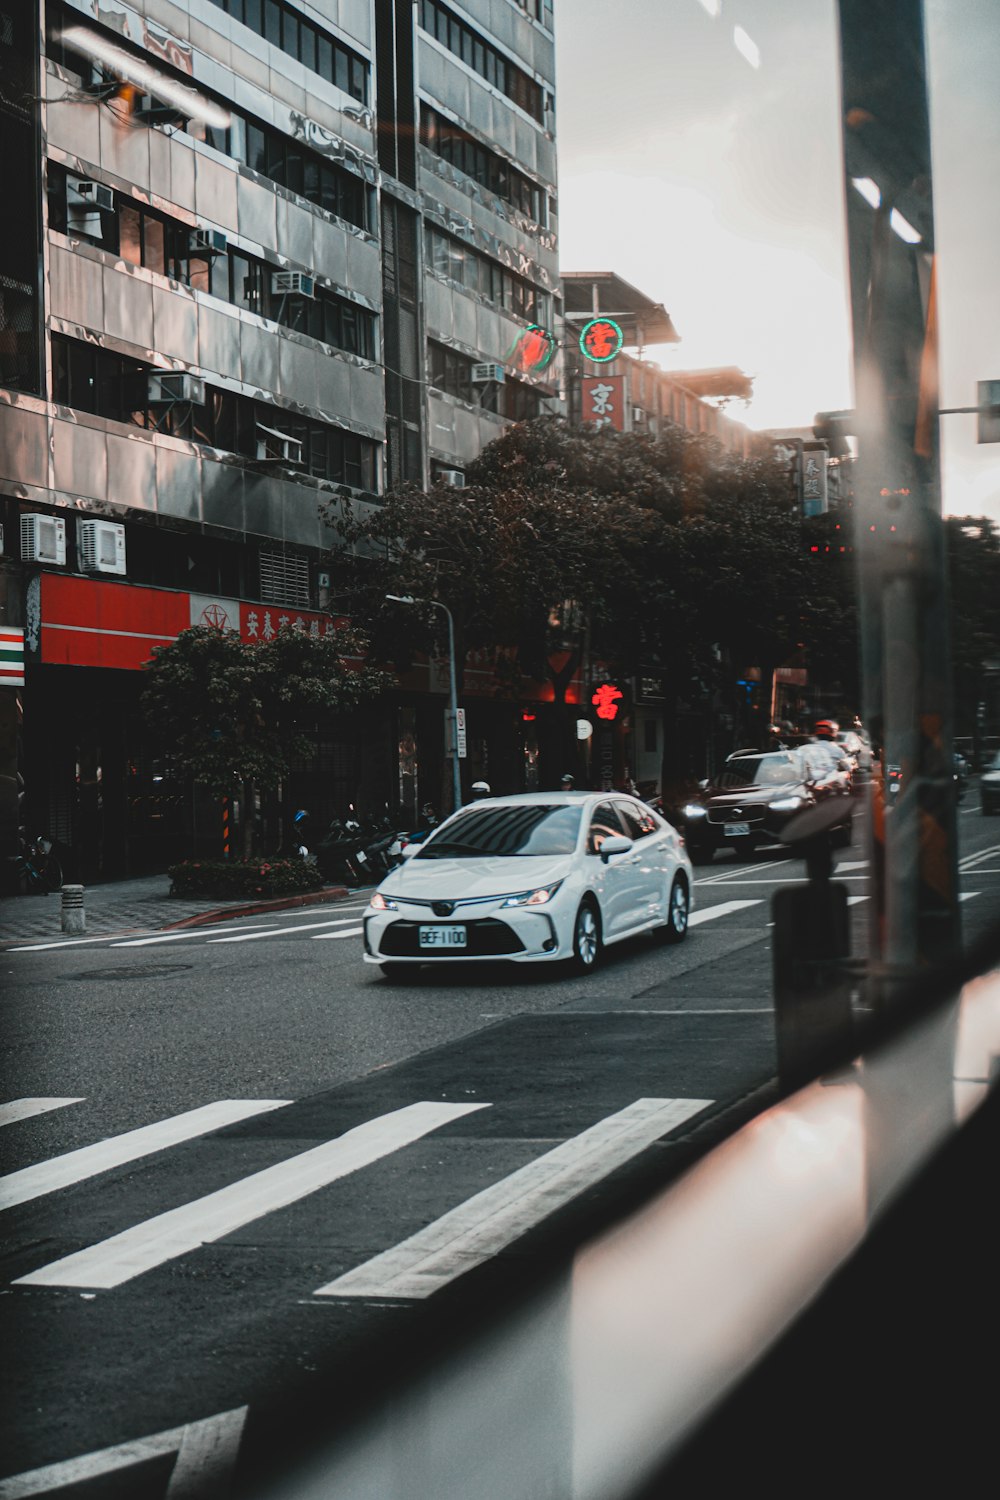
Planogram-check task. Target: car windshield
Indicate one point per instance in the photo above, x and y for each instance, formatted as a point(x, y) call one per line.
point(760, 770)
point(508, 831)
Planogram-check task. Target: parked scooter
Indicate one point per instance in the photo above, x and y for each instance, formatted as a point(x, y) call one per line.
point(340, 854)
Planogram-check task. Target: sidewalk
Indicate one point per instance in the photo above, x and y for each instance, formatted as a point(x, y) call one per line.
point(141, 905)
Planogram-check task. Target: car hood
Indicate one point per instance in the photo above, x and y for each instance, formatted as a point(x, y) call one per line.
point(751, 795)
point(460, 879)
point(992, 775)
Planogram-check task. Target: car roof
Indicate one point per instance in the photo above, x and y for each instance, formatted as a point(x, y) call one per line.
point(546, 799)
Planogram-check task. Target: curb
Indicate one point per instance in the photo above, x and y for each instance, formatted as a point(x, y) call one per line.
point(287, 903)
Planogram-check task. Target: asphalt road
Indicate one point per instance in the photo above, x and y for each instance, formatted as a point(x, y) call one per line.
point(291, 1178)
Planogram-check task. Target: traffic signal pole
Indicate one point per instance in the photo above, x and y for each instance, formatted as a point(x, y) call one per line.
point(900, 542)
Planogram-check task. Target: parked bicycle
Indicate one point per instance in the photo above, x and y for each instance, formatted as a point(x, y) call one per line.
point(39, 869)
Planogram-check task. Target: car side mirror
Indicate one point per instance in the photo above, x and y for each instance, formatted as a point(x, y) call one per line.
point(616, 844)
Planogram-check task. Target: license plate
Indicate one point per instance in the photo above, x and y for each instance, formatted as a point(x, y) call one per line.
point(737, 830)
point(442, 937)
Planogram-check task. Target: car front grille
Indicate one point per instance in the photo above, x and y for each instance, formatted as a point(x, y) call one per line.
point(752, 815)
point(486, 938)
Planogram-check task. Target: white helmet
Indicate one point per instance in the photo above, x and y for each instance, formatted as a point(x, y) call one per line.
point(480, 789)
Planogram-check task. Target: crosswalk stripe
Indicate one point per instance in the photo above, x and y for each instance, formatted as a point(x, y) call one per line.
point(318, 937)
point(248, 937)
point(187, 935)
point(968, 895)
point(206, 1455)
point(724, 908)
point(201, 1222)
point(76, 1166)
point(488, 1222)
point(24, 1109)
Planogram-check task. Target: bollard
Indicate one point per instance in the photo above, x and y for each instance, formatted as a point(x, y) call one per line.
point(74, 918)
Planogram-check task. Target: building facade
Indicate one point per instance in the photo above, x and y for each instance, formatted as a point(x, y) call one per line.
point(266, 256)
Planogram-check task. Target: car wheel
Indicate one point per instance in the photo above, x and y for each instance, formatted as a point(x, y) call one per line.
point(674, 929)
point(587, 938)
point(399, 973)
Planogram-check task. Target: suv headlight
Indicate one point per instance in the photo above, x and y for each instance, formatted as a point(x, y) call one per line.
point(540, 896)
point(694, 810)
point(382, 903)
point(785, 804)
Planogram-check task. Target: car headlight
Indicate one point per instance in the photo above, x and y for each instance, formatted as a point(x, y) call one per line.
point(694, 810)
point(785, 804)
point(540, 896)
point(382, 903)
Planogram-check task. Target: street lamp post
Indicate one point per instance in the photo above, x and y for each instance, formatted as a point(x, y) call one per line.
point(452, 690)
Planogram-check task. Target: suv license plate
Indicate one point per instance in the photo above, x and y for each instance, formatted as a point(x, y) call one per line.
point(737, 830)
point(442, 937)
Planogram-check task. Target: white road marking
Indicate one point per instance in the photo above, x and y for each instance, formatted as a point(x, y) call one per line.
point(206, 1453)
point(318, 937)
point(724, 908)
point(972, 860)
point(488, 1222)
point(201, 1222)
point(724, 876)
point(63, 943)
point(968, 895)
point(247, 937)
point(853, 900)
point(24, 1109)
point(77, 1166)
point(851, 864)
point(177, 937)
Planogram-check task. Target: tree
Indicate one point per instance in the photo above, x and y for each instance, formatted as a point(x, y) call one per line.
point(666, 554)
point(233, 713)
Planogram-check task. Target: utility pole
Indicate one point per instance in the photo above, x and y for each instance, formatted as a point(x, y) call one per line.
point(900, 544)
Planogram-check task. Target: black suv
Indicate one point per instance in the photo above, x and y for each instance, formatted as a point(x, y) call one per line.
point(757, 793)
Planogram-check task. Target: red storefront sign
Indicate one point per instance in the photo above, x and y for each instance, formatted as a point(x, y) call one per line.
point(603, 400)
point(87, 623)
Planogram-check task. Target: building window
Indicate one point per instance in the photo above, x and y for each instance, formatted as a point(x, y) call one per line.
point(450, 371)
point(462, 151)
point(110, 385)
point(171, 248)
point(498, 70)
point(265, 150)
point(450, 257)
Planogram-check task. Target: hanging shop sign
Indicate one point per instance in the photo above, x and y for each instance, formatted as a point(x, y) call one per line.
point(602, 401)
point(532, 350)
point(601, 339)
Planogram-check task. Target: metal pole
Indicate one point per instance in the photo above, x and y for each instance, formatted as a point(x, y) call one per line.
point(456, 783)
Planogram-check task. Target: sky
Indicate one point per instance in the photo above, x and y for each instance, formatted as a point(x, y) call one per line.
point(699, 157)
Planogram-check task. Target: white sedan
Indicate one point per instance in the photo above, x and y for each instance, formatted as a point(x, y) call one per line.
point(541, 877)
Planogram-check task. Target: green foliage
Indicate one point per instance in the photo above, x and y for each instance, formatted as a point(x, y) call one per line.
point(230, 711)
point(243, 877)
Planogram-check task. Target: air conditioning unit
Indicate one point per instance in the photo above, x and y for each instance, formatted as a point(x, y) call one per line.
point(454, 477)
point(101, 546)
point(277, 447)
point(83, 193)
point(638, 417)
point(43, 539)
point(165, 388)
point(292, 284)
point(487, 374)
point(208, 242)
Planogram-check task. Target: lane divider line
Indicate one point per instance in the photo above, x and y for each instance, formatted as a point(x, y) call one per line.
point(724, 908)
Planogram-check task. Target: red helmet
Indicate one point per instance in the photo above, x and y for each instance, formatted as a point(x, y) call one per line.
point(826, 729)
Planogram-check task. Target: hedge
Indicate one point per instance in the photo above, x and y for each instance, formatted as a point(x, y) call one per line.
point(243, 877)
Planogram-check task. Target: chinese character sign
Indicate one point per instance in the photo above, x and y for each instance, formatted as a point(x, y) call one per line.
point(606, 700)
point(603, 400)
point(814, 489)
point(601, 339)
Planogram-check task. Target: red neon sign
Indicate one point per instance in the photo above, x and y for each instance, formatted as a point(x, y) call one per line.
point(601, 339)
point(605, 700)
